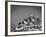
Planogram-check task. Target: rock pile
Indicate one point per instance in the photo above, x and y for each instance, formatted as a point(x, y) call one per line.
point(29, 24)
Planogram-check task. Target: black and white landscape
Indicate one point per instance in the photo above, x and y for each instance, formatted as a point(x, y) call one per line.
point(26, 18)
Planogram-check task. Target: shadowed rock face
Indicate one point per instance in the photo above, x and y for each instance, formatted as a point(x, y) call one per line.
point(29, 24)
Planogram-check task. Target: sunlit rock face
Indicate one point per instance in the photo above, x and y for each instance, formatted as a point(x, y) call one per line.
point(28, 24)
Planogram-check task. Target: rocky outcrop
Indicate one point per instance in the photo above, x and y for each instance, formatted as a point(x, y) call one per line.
point(29, 24)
